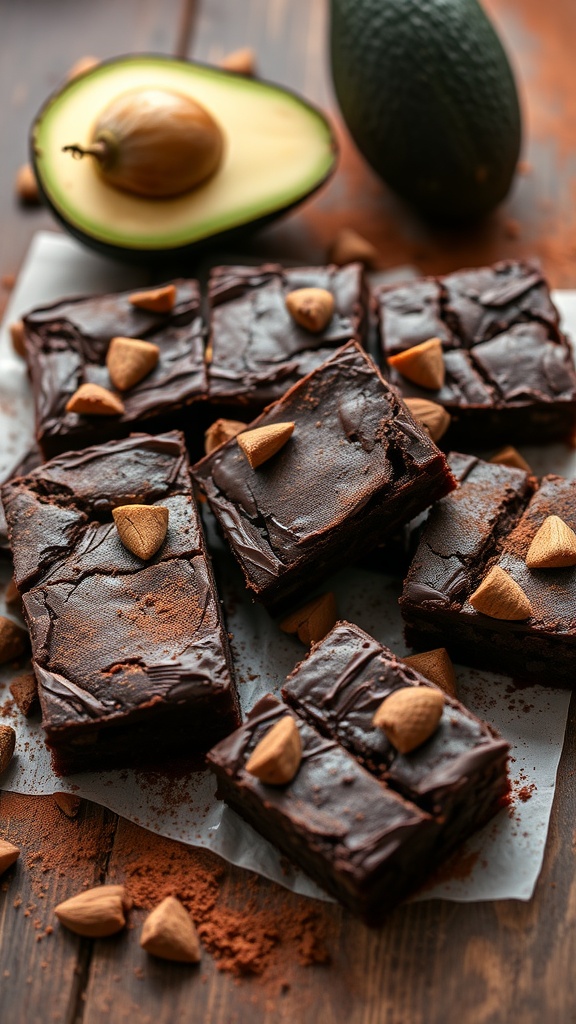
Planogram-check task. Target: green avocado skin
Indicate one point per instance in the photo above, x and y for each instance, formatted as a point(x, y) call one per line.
point(429, 97)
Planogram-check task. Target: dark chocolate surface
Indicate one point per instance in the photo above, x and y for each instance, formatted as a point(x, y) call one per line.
point(509, 369)
point(340, 685)
point(359, 839)
point(32, 457)
point(357, 464)
point(115, 638)
point(481, 525)
point(66, 346)
point(257, 350)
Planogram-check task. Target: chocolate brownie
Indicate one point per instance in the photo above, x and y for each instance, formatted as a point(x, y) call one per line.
point(366, 822)
point(131, 656)
point(66, 346)
point(356, 467)
point(359, 840)
point(32, 457)
point(257, 350)
point(509, 369)
point(490, 521)
point(458, 775)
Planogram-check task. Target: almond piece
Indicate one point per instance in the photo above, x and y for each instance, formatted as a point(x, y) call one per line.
point(553, 546)
point(262, 443)
point(169, 932)
point(24, 689)
point(437, 667)
point(155, 300)
point(242, 61)
point(508, 456)
point(17, 336)
point(129, 360)
point(276, 758)
point(94, 400)
point(432, 416)
point(410, 716)
point(26, 186)
point(13, 640)
point(141, 528)
point(7, 746)
point(68, 803)
point(80, 66)
point(95, 913)
point(350, 247)
point(221, 431)
point(8, 855)
point(422, 364)
point(500, 597)
point(313, 620)
point(312, 308)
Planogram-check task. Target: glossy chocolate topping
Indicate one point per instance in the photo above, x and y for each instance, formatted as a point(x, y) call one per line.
point(340, 685)
point(112, 634)
point(355, 453)
point(66, 346)
point(258, 350)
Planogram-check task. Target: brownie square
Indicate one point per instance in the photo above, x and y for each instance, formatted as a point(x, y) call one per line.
point(32, 457)
point(458, 775)
point(491, 520)
point(131, 657)
point(356, 466)
point(359, 840)
point(66, 346)
point(257, 351)
point(509, 369)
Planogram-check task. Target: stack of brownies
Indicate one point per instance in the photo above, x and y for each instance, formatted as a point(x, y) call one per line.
point(366, 770)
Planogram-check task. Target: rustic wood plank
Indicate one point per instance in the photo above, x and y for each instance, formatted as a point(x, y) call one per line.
point(41, 968)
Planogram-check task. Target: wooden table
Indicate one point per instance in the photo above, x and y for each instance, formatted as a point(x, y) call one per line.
point(432, 962)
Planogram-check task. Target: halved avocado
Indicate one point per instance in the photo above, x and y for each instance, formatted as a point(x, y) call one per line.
point(278, 150)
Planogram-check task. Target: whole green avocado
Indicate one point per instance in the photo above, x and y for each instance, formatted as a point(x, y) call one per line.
point(429, 97)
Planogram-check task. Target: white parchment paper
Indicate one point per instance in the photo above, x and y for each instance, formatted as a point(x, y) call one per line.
point(500, 862)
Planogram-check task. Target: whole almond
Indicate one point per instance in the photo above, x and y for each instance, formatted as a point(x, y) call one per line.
point(94, 400)
point(422, 364)
point(155, 300)
point(8, 855)
point(350, 247)
point(13, 640)
point(67, 803)
point(500, 597)
point(410, 716)
point(432, 416)
point(95, 913)
point(553, 546)
point(169, 932)
point(7, 746)
point(24, 690)
point(262, 443)
point(437, 667)
point(130, 360)
point(242, 61)
point(276, 758)
point(508, 456)
point(313, 620)
point(141, 528)
point(17, 336)
point(221, 431)
point(26, 186)
point(312, 308)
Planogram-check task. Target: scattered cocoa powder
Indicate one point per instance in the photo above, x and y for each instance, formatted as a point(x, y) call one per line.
point(258, 938)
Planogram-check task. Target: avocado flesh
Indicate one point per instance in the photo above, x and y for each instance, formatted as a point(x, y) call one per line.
point(429, 97)
point(278, 149)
